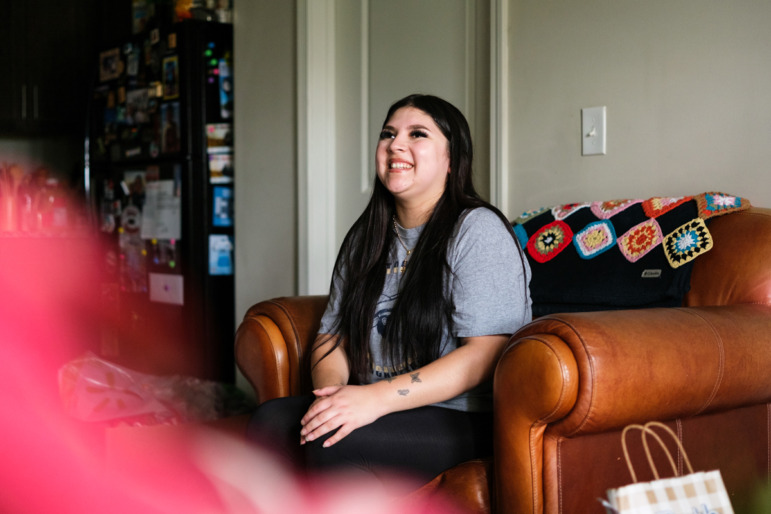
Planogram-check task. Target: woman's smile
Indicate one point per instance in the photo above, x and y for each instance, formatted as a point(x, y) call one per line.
point(399, 165)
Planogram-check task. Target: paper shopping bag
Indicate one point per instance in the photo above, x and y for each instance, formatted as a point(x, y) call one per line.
point(693, 493)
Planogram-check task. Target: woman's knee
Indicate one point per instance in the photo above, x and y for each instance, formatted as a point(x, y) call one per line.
point(280, 416)
point(343, 454)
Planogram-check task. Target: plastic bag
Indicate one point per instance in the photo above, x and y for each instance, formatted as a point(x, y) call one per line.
point(96, 390)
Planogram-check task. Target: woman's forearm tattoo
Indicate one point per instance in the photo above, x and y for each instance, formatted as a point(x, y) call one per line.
point(414, 378)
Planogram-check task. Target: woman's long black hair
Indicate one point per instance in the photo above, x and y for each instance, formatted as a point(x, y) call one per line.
point(415, 326)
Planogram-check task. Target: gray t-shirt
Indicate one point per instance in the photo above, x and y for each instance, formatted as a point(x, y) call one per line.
point(487, 288)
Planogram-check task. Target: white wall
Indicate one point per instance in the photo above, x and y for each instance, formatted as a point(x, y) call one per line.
point(265, 151)
point(687, 85)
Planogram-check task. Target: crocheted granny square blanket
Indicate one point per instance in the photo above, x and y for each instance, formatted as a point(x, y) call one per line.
point(618, 254)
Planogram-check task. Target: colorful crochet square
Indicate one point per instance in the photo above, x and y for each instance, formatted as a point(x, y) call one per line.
point(521, 234)
point(687, 242)
point(549, 241)
point(716, 204)
point(594, 239)
point(640, 239)
point(528, 215)
point(605, 210)
point(658, 205)
point(560, 212)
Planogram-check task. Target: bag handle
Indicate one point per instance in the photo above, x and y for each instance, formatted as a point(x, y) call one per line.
point(648, 430)
point(674, 436)
point(645, 429)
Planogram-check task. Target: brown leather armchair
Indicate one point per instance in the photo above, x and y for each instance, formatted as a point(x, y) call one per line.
point(568, 383)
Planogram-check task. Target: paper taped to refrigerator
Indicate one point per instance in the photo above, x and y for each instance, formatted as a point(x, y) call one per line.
point(162, 211)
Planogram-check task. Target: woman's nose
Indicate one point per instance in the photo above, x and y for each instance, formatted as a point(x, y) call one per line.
point(398, 144)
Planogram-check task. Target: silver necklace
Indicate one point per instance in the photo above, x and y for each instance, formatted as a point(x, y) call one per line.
point(403, 267)
point(399, 237)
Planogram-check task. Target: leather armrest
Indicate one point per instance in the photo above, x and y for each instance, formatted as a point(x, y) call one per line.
point(660, 363)
point(272, 341)
point(593, 372)
point(535, 383)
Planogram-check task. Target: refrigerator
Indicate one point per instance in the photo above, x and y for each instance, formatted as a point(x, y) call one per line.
point(159, 150)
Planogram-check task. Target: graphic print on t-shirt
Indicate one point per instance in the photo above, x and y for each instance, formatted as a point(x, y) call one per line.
point(382, 368)
point(394, 271)
point(396, 268)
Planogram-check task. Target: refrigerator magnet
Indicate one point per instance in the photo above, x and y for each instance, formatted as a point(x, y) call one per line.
point(226, 90)
point(164, 252)
point(222, 210)
point(108, 218)
point(220, 168)
point(147, 51)
point(170, 136)
point(132, 68)
point(153, 173)
point(137, 106)
point(109, 65)
point(155, 89)
point(133, 254)
point(170, 77)
point(219, 137)
point(220, 254)
point(167, 288)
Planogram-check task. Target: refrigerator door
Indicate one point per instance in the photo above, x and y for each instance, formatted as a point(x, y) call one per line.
point(161, 152)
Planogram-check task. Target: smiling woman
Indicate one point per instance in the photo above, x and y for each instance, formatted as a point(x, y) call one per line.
point(428, 286)
point(412, 163)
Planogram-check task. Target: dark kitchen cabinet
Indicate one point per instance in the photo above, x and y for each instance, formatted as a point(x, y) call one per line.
point(46, 48)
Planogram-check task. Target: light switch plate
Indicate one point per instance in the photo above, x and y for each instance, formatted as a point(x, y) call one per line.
point(593, 131)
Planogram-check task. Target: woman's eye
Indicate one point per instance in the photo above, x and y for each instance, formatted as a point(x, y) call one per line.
point(386, 134)
point(418, 133)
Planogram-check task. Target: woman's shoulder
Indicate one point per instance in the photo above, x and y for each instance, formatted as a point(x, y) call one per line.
point(481, 219)
point(483, 237)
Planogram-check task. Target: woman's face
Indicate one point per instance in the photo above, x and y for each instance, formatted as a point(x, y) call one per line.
point(413, 158)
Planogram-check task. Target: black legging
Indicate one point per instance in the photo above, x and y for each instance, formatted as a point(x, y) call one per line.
point(420, 442)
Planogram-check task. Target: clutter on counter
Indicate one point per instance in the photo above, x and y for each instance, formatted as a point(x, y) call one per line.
point(36, 202)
